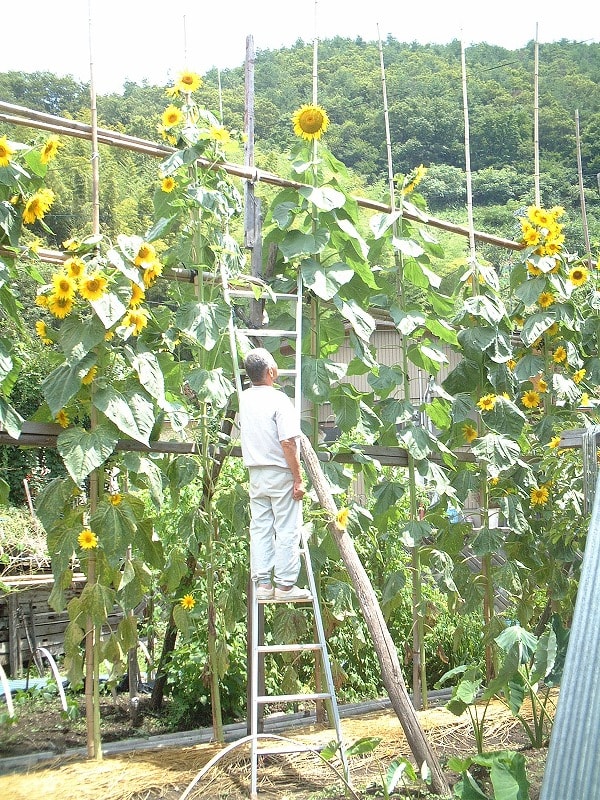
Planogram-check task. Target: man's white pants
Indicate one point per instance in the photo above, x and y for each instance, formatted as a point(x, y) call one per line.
point(275, 526)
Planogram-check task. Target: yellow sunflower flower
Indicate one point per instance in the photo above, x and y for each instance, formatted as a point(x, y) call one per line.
point(93, 287)
point(341, 519)
point(40, 329)
point(187, 602)
point(171, 117)
point(87, 539)
point(579, 375)
point(6, 152)
point(168, 184)
point(554, 442)
point(585, 399)
point(532, 269)
point(546, 299)
point(74, 267)
point(188, 82)
point(578, 276)
point(71, 244)
point(530, 236)
point(50, 149)
point(553, 329)
point(41, 300)
point(115, 498)
point(511, 364)
point(310, 122)
point(136, 318)
point(559, 355)
point(487, 402)
point(146, 255)
point(469, 433)
point(64, 286)
point(151, 273)
point(63, 418)
point(539, 495)
point(530, 399)
point(137, 295)
point(59, 307)
point(38, 206)
point(89, 376)
point(415, 179)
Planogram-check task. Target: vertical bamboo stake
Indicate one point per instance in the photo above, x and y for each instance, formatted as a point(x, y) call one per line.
point(93, 632)
point(586, 231)
point(536, 114)
point(486, 561)
point(419, 666)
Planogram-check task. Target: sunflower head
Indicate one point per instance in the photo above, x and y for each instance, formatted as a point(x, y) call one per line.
point(310, 122)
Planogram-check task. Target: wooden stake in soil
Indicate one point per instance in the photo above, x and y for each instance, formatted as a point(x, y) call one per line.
point(383, 643)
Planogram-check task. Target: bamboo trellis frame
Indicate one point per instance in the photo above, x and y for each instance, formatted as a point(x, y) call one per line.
point(19, 115)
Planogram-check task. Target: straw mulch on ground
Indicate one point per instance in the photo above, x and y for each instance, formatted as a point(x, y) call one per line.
point(166, 773)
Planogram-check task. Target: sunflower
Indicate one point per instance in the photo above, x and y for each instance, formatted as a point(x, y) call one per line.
point(145, 256)
point(40, 329)
point(553, 329)
point(93, 287)
point(50, 149)
point(530, 399)
point(219, 133)
point(533, 270)
point(71, 244)
point(41, 300)
point(469, 433)
point(546, 299)
point(151, 273)
point(559, 355)
point(579, 375)
point(487, 402)
point(37, 206)
point(60, 307)
point(187, 602)
point(64, 286)
point(511, 364)
point(578, 276)
point(6, 152)
point(89, 376)
point(415, 179)
point(75, 268)
point(310, 122)
point(168, 184)
point(115, 498)
point(171, 117)
point(187, 82)
point(341, 519)
point(531, 236)
point(539, 495)
point(136, 319)
point(539, 216)
point(87, 539)
point(63, 418)
point(554, 442)
point(137, 295)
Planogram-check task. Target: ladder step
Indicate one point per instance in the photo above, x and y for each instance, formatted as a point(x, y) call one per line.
point(248, 293)
point(288, 648)
point(292, 698)
point(268, 332)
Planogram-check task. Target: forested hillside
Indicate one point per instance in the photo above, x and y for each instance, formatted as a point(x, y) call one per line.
point(426, 119)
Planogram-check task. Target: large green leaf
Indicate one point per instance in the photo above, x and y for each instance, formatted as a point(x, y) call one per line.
point(362, 322)
point(536, 325)
point(498, 451)
point(325, 281)
point(148, 370)
point(203, 322)
point(528, 366)
point(428, 357)
point(98, 601)
point(61, 385)
point(505, 418)
point(6, 362)
point(487, 541)
point(131, 411)
point(83, 451)
point(77, 337)
point(10, 419)
point(346, 407)
point(211, 386)
point(385, 380)
point(325, 198)
point(386, 495)
point(318, 375)
point(407, 321)
point(441, 329)
point(115, 526)
point(109, 308)
point(491, 309)
point(416, 441)
point(297, 243)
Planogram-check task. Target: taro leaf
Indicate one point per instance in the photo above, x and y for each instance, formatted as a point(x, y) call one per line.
point(544, 658)
point(10, 420)
point(131, 411)
point(324, 198)
point(83, 451)
point(515, 635)
point(203, 322)
point(366, 744)
point(77, 338)
point(467, 787)
point(325, 281)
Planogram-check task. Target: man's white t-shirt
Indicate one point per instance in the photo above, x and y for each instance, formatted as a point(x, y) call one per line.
point(267, 417)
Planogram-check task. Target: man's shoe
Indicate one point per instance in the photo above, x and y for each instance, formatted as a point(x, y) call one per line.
point(264, 592)
point(292, 595)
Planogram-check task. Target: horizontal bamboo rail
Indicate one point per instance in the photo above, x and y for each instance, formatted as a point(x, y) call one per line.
point(18, 115)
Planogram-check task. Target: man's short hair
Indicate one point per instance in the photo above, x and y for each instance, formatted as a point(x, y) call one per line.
point(257, 363)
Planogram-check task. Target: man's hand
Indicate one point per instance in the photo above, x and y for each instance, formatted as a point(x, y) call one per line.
point(298, 490)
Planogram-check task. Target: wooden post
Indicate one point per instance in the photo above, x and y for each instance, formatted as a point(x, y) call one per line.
point(15, 656)
point(382, 641)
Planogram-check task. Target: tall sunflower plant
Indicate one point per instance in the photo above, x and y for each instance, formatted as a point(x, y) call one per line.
point(526, 375)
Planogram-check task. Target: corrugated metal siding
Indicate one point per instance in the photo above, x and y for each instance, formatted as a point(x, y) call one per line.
point(573, 765)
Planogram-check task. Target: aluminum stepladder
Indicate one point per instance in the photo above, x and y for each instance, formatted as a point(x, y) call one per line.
point(258, 649)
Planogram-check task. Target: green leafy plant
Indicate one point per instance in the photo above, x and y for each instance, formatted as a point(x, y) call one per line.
point(506, 771)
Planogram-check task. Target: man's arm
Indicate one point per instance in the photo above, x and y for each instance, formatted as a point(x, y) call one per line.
point(290, 453)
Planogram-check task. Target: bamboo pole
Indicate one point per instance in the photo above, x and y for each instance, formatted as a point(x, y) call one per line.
point(586, 230)
point(383, 643)
point(17, 115)
point(536, 124)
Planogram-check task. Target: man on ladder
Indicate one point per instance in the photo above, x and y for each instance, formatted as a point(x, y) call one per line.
point(270, 431)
